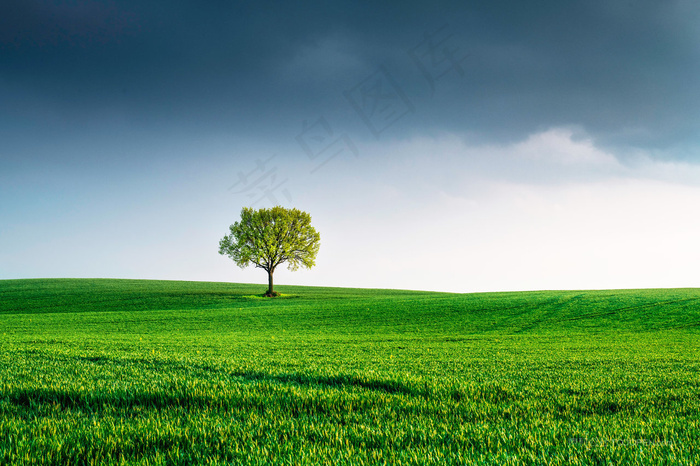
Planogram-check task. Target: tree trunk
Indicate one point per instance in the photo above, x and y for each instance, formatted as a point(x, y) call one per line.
point(269, 282)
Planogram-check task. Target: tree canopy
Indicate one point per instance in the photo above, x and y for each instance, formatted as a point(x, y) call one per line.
point(267, 238)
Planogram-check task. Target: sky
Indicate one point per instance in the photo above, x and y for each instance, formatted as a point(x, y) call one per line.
point(448, 146)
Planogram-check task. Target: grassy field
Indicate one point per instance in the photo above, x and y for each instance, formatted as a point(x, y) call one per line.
point(163, 372)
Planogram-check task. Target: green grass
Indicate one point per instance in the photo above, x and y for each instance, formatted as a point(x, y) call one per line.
point(164, 372)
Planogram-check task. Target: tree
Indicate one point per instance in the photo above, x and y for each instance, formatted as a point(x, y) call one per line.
point(270, 237)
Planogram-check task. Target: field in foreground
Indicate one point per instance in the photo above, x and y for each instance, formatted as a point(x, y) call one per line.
point(162, 372)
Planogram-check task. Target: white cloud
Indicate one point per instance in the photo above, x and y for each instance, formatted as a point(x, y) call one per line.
point(558, 146)
point(551, 212)
point(554, 156)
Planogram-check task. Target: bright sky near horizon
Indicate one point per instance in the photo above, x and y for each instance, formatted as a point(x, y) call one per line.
point(448, 146)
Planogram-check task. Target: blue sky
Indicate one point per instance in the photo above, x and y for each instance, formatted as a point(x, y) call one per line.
point(451, 146)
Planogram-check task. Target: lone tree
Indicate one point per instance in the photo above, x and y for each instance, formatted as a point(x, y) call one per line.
point(270, 237)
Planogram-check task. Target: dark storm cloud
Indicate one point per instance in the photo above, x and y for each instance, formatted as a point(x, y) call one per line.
point(627, 72)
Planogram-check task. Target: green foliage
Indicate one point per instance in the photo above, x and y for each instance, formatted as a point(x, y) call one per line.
point(160, 372)
point(270, 237)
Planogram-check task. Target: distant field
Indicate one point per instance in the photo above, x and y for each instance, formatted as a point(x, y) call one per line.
point(165, 372)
